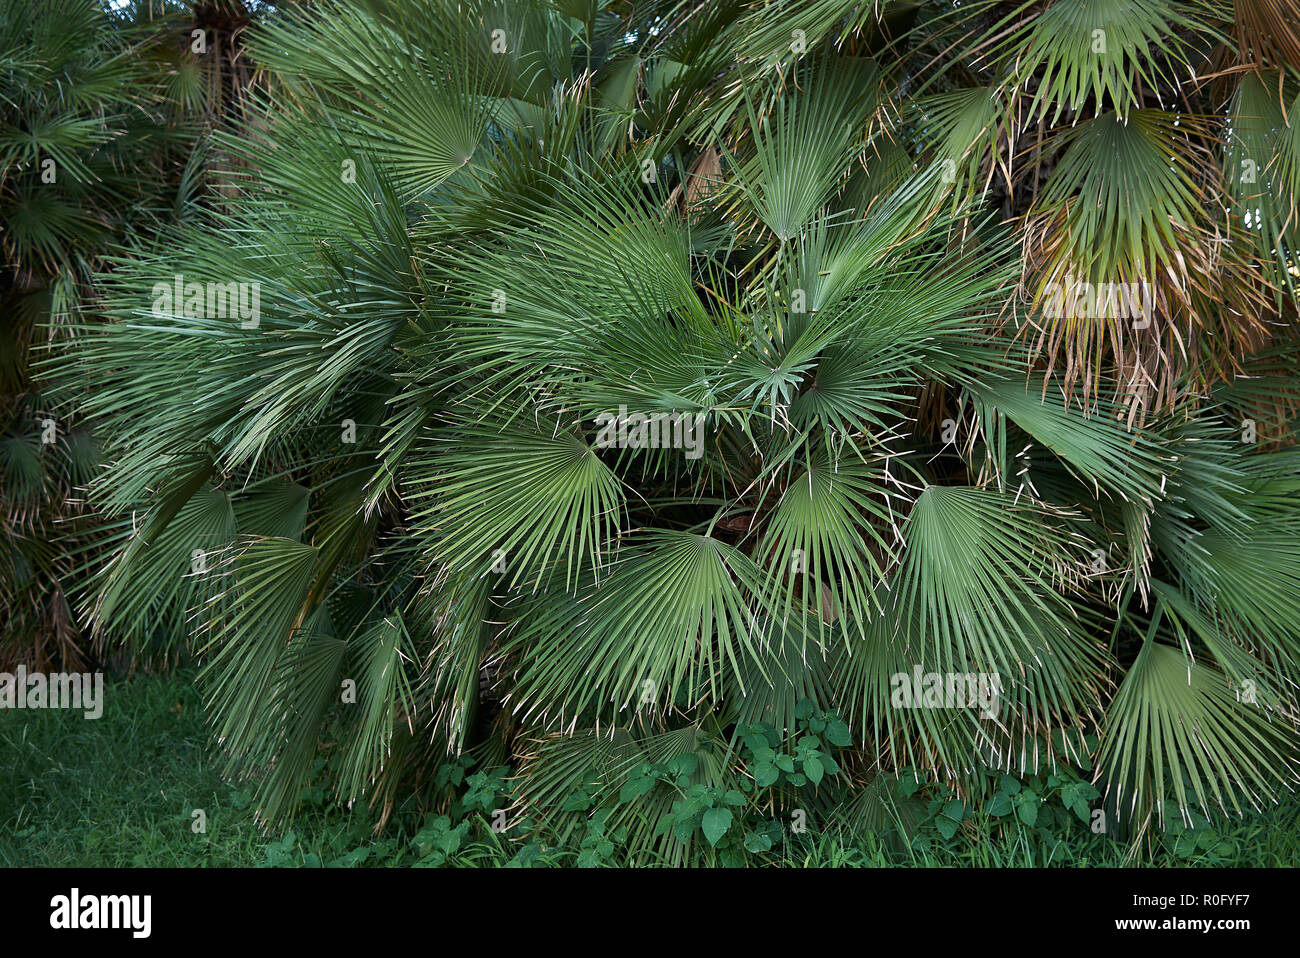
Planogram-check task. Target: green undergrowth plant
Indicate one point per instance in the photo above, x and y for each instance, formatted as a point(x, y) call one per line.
point(121, 792)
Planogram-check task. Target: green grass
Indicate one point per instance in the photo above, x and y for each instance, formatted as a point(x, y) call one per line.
point(120, 791)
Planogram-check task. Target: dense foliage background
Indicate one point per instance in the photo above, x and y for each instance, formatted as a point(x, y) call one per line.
point(103, 123)
point(378, 508)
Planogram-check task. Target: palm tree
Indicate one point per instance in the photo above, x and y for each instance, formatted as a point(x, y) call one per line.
point(439, 485)
point(101, 121)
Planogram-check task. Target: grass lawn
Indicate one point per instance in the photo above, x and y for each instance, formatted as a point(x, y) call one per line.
point(121, 790)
